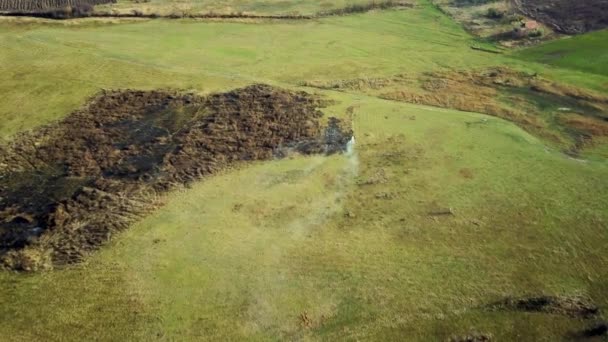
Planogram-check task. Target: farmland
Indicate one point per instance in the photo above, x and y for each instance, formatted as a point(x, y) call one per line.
point(469, 183)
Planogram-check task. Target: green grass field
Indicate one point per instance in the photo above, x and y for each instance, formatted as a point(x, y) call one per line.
point(304, 248)
point(267, 7)
point(587, 53)
point(208, 56)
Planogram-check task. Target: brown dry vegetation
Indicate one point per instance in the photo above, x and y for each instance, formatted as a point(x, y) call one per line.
point(65, 189)
point(586, 124)
point(512, 95)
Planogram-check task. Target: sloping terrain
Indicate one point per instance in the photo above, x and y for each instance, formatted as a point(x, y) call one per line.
point(494, 21)
point(573, 118)
point(257, 7)
point(586, 53)
point(438, 224)
point(526, 22)
point(567, 16)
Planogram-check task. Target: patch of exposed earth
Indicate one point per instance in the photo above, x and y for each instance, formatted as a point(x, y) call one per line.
point(526, 22)
point(66, 188)
point(496, 20)
point(572, 117)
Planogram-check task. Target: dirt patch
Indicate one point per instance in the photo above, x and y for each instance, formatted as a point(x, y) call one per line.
point(532, 102)
point(65, 189)
point(466, 173)
point(595, 330)
point(473, 337)
point(568, 306)
point(496, 21)
point(567, 16)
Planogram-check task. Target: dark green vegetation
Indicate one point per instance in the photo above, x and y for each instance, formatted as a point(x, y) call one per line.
point(442, 223)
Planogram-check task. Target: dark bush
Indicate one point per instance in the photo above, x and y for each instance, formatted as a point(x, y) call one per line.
point(535, 33)
point(67, 12)
point(464, 3)
point(82, 10)
point(494, 13)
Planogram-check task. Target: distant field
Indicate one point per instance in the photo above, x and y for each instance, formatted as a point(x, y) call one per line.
point(304, 7)
point(206, 56)
point(437, 214)
point(587, 53)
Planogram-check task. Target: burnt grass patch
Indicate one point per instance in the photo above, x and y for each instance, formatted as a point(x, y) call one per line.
point(567, 16)
point(66, 188)
point(574, 307)
point(598, 329)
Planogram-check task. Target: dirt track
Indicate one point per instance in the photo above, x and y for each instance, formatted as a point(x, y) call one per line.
point(66, 188)
point(567, 16)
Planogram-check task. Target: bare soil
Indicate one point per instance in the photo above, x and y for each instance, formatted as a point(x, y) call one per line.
point(65, 189)
point(596, 330)
point(472, 337)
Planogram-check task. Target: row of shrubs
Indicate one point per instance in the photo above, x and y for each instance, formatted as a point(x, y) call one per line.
point(67, 12)
point(64, 12)
point(466, 3)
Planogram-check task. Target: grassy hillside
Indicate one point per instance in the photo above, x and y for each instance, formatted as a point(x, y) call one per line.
point(272, 7)
point(56, 68)
point(587, 53)
point(309, 248)
point(345, 247)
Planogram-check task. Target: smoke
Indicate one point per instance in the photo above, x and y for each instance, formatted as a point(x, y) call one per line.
point(332, 202)
point(327, 205)
point(351, 154)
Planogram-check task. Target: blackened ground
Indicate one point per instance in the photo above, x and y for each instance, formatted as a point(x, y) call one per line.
point(568, 16)
point(66, 188)
point(568, 306)
point(596, 330)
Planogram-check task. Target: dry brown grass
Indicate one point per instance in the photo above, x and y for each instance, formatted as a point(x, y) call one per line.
point(585, 124)
point(501, 92)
